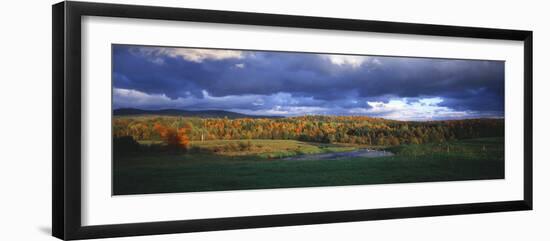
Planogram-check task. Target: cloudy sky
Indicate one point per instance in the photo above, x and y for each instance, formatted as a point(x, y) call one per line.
point(293, 84)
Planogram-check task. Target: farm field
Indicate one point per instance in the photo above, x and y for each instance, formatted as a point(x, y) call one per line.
point(260, 164)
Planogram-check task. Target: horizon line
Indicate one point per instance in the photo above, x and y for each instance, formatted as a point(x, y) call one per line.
point(307, 114)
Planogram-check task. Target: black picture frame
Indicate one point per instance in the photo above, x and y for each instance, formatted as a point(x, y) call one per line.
point(66, 168)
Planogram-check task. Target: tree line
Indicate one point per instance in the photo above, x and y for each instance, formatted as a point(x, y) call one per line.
point(179, 131)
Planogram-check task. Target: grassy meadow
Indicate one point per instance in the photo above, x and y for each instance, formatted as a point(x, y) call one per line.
point(217, 165)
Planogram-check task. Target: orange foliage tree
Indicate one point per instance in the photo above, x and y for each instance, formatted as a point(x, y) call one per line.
point(174, 137)
point(183, 136)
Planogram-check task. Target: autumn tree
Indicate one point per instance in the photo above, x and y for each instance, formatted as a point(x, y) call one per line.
point(179, 131)
point(174, 137)
point(183, 136)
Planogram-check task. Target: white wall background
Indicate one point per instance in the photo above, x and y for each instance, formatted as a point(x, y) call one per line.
point(25, 101)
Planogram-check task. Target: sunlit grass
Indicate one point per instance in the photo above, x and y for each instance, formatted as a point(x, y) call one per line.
point(202, 171)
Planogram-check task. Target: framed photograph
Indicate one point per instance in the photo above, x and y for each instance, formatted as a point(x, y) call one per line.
point(169, 120)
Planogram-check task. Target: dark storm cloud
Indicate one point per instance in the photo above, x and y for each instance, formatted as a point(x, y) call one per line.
point(338, 82)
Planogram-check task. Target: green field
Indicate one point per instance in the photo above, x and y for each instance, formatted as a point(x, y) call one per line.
point(257, 164)
point(270, 149)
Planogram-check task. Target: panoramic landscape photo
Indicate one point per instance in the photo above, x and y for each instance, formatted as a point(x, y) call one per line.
point(195, 119)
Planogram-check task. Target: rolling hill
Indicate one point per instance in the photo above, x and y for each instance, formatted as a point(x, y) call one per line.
point(186, 113)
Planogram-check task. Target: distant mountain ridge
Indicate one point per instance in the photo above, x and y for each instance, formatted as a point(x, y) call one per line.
point(186, 113)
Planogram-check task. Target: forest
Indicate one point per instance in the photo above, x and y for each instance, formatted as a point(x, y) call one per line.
point(178, 132)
